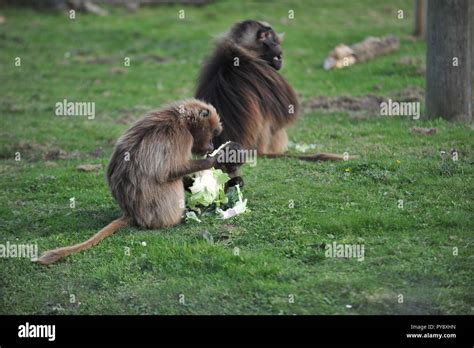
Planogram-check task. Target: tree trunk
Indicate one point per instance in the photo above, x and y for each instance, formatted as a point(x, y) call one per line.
point(448, 63)
point(420, 18)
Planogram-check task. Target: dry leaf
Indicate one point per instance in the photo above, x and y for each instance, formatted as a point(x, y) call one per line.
point(89, 167)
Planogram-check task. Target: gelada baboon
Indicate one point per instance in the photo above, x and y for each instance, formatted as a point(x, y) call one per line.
point(255, 103)
point(145, 173)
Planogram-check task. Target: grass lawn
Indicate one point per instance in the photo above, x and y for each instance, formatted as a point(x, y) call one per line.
point(418, 259)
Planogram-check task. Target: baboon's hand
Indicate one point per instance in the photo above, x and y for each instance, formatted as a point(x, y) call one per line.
point(235, 181)
point(230, 158)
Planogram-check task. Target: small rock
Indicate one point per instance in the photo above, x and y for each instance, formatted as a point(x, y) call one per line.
point(424, 131)
point(89, 167)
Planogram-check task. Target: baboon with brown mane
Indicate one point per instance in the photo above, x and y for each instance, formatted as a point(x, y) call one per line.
point(256, 104)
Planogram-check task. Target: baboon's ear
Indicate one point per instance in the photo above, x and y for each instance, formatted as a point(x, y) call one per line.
point(204, 113)
point(264, 35)
point(281, 36)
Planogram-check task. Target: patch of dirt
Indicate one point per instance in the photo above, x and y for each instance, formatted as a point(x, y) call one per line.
point(153, 58)
point(389, 302)
point(345, 103)
point(12, 107)
point(54, 154)
point(32, 151)
point(415, 64)
point(362, 107)
point(118, 70)
point(411, 93)
point(90, 58)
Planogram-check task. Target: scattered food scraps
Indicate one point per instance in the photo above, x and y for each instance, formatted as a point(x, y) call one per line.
point(208, 197)
point(239, 207)
point(301, 147)
point(208, 188)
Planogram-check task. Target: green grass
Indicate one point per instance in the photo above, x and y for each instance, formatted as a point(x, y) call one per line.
point(408, 251)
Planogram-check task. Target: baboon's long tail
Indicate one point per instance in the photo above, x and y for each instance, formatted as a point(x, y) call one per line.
point(54, 255)
point(314, 158)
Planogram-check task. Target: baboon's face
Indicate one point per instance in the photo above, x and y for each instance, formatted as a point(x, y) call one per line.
point(260, 37)
point(270, 43)
point(206, 127)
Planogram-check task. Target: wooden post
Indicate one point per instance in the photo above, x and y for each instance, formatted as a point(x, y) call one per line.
point(448, 63)
point(420, 18)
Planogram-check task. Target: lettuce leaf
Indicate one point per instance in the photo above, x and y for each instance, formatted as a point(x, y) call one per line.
point(208, 188)
point(191, 215)
point(239, 207)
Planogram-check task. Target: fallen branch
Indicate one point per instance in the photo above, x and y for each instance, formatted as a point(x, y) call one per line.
point(342, 55)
